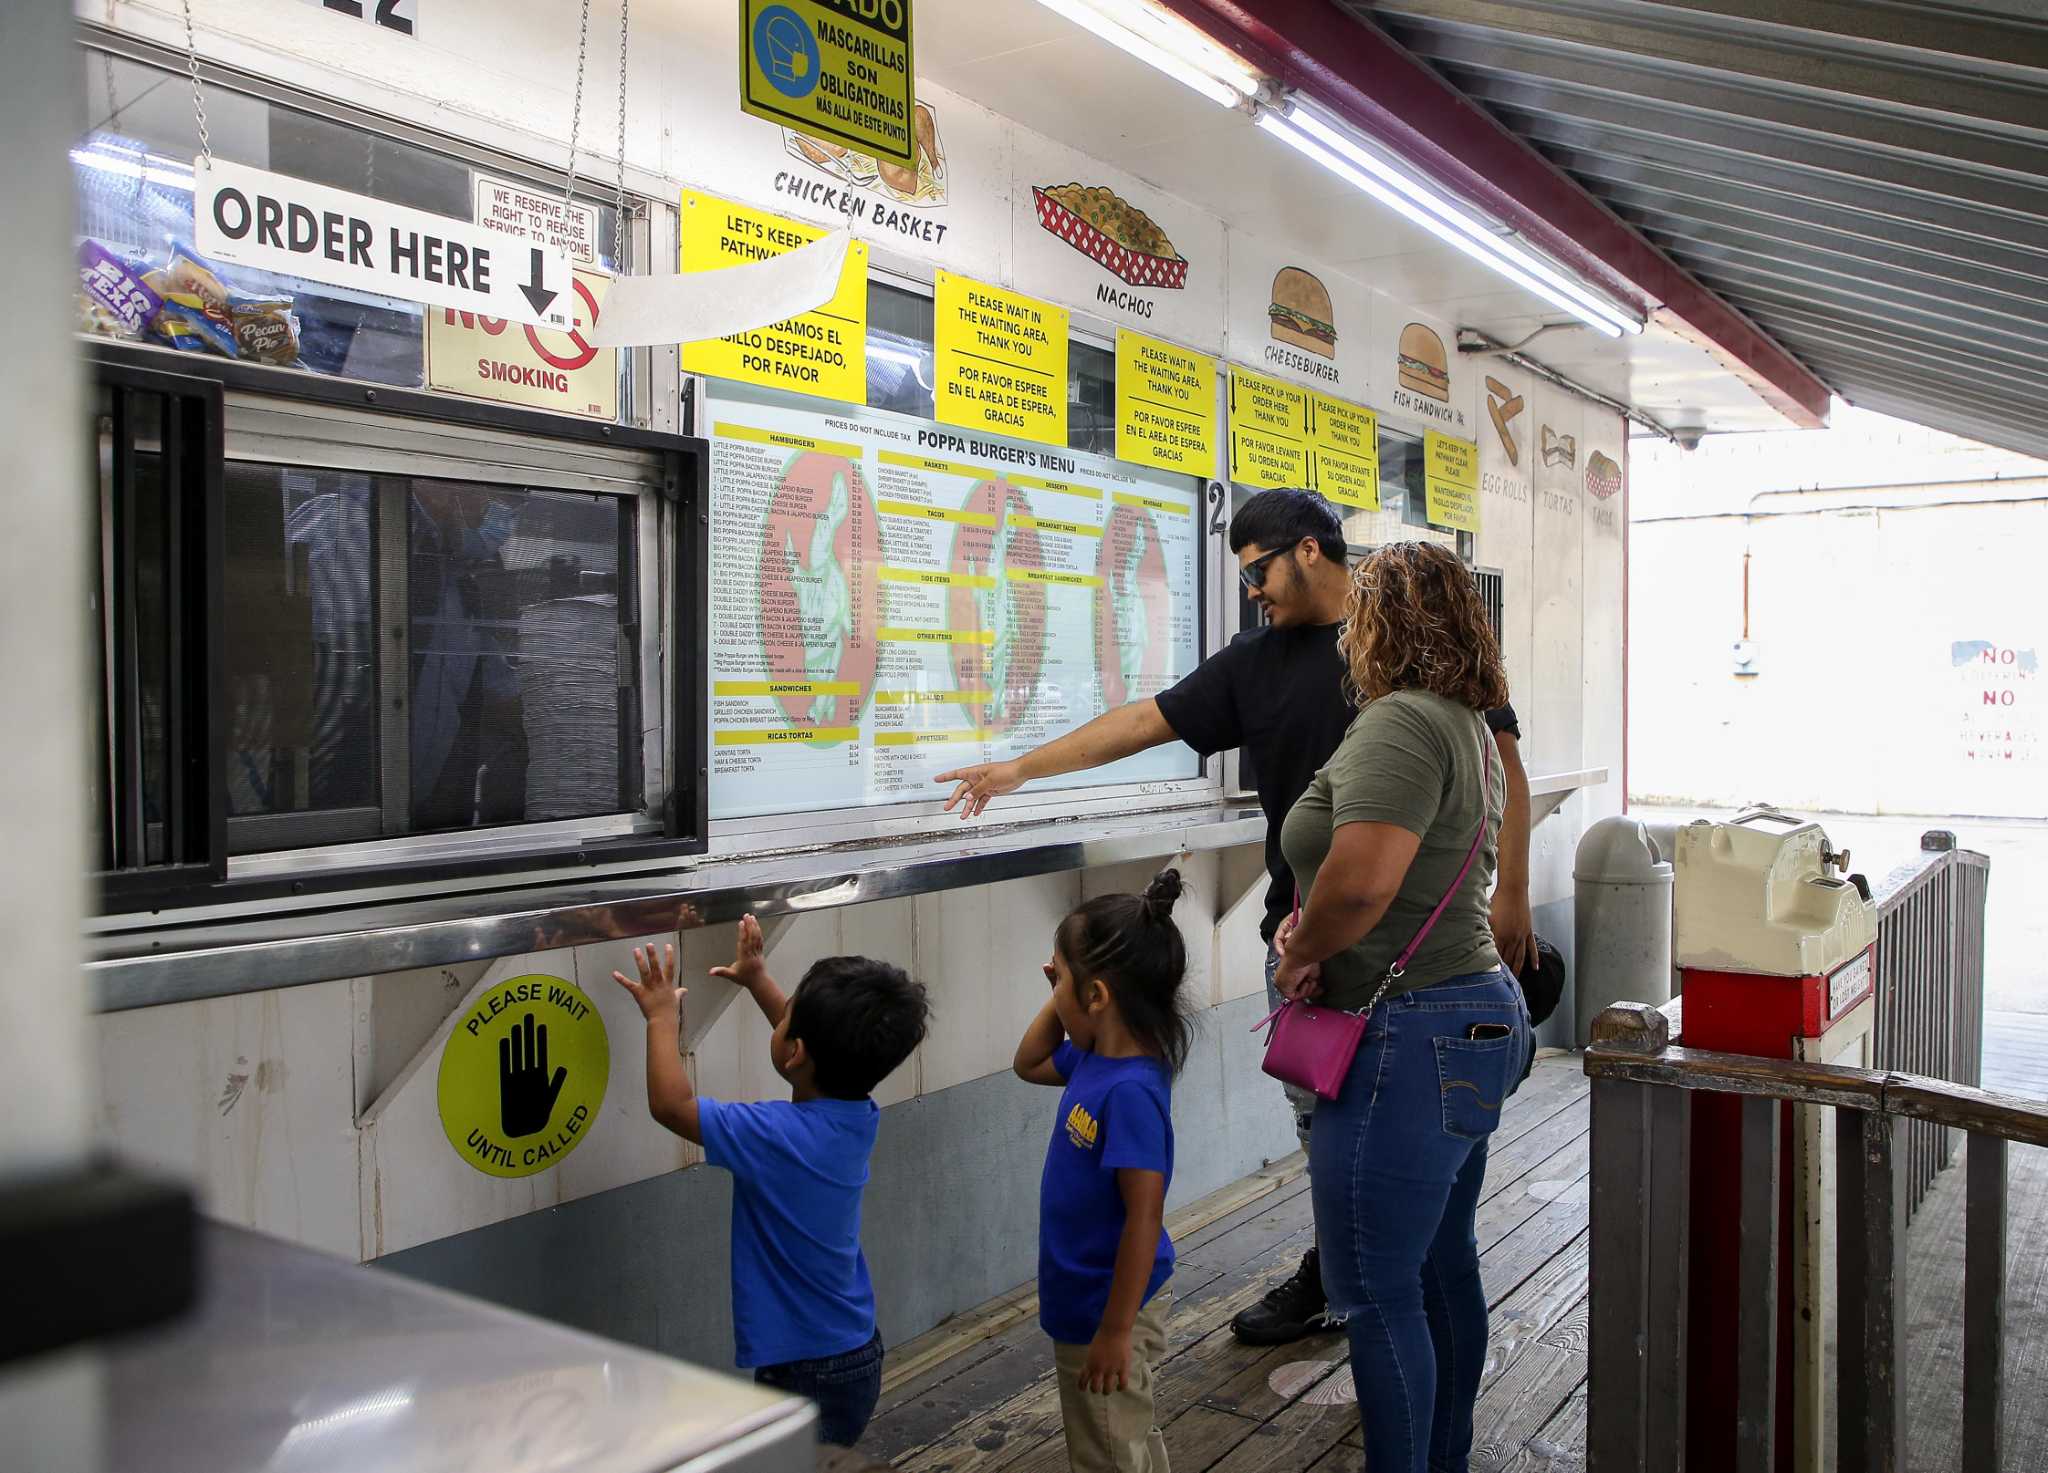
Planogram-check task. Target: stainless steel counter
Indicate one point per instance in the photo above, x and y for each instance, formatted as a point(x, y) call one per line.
point(430, 927)
point(298, 1360)
point(179, 963)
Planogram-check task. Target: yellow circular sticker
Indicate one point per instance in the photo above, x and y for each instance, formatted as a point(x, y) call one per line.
point(523, 1076)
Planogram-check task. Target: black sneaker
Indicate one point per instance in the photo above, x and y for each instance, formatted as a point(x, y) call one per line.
point(1292, 1311)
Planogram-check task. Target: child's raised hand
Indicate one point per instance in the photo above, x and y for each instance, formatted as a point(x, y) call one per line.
point(748, 959)
point(656, 991)
point(1108, 1367)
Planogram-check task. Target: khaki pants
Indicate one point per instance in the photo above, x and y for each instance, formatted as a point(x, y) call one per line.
point(1117, 1433)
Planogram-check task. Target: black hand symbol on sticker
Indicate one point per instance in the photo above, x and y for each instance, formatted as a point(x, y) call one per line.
point(526, 1096)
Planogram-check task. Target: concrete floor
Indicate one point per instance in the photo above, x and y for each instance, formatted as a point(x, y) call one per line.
point(2015, 924)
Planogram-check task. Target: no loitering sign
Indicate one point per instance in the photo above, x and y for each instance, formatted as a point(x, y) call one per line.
point(272, 222)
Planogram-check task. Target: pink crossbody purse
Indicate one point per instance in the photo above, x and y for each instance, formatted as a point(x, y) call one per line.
point(1312, 1047)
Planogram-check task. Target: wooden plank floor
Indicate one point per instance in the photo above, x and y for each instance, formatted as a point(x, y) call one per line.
point(976, 1395)
point(988, 1404)
point(1934, 1318)
point(2016, 1054)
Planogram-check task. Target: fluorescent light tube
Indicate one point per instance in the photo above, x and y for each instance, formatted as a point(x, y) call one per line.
point(1314, 122)
point(1152, 54)
point(1176, 37)
point(128, 167)
point(1289, 133)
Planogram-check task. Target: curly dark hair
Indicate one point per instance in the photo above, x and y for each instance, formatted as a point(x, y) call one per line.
point(1414, 621)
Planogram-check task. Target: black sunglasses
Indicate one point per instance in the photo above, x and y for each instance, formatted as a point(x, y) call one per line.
point(1253, 573)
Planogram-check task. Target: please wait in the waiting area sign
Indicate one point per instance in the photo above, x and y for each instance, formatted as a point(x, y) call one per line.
point(271, 222)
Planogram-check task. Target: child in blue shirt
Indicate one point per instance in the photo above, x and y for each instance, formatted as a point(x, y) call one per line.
point(1113, 1036)
point(803, 1309)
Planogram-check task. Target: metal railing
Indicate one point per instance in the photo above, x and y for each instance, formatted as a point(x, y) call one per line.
point(1642, 1095)
point(1930, 989)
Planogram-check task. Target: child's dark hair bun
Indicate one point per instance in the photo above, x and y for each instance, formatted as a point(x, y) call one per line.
point(1160, 895)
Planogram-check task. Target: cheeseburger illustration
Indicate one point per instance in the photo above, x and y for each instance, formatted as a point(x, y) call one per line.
point(1423, 365)
point(1301, 311)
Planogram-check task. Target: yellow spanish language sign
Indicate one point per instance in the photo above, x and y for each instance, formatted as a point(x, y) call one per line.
point(523, 1075)
point(1165, 405)
point(1452, 505)
point(1001, 360)
point(1268, 431)
point(1450, 459)
point(823, 352)
point(538, 367)
point(1452, 470)
point(1344, 454)
point(842, 72)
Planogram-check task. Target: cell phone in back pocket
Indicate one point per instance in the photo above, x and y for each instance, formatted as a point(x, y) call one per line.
point(1483, 1032)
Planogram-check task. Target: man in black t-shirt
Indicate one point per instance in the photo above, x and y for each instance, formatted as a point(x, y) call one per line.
point(1277, 692)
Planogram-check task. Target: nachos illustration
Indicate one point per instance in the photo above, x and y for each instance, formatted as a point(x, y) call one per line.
point(1559, 449)
point(1111, 231)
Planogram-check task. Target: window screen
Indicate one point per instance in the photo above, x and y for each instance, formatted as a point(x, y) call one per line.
point(417, 655)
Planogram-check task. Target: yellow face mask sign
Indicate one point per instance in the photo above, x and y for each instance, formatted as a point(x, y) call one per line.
point(1001, 360)
point(1165, 405)
point(1452, 477)
point(1344, 453)
point(823, 352)
point(841, 72)
point(1268, 431)
point(523, 1076)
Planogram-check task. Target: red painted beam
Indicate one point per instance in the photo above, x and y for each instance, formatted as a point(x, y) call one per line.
point(1361, 73)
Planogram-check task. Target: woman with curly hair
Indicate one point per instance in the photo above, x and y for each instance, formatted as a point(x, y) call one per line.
point(1394, 841)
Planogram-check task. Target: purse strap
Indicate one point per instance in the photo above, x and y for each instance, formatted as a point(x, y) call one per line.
point(1399, 968)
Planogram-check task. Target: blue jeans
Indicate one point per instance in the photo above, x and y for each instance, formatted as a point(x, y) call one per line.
point(1396, 1162)
point(845, 1387)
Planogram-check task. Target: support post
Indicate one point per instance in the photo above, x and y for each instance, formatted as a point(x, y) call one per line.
point(1871, 1217)
point(1756, 1371)
point(1984, 1302)
point(1617, 1362)
point(1670, 1257)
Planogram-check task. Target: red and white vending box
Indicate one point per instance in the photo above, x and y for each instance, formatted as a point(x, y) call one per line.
point(1776, 950)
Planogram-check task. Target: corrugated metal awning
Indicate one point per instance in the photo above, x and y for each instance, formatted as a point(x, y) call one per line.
point(1866, 180)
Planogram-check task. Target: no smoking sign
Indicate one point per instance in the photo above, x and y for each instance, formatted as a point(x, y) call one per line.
point(523, 1076)
point(537, 367)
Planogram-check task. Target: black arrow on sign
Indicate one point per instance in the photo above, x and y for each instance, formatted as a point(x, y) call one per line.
point(534, 292)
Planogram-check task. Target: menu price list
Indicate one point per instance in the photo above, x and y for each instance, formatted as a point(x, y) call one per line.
point(890, 601)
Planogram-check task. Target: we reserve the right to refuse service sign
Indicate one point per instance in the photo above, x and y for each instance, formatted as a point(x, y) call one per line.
point(842, 72)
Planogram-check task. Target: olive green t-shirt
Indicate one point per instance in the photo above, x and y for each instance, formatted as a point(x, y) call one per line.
point(1411, 759)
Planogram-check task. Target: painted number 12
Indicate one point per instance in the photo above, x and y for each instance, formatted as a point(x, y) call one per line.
point(390, 15)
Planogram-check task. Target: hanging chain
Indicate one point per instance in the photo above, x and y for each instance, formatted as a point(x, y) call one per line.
point(619, 205)
point(575, 113)
point(198, 99)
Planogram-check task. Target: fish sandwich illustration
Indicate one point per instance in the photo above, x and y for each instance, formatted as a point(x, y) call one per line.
point(1423, 366)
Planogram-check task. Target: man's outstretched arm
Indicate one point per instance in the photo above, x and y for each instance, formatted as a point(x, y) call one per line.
point(1110, 736)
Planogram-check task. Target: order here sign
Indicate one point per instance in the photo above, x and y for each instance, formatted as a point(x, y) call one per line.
point(272, 222)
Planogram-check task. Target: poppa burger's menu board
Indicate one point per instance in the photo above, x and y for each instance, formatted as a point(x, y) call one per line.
point(891, 599)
